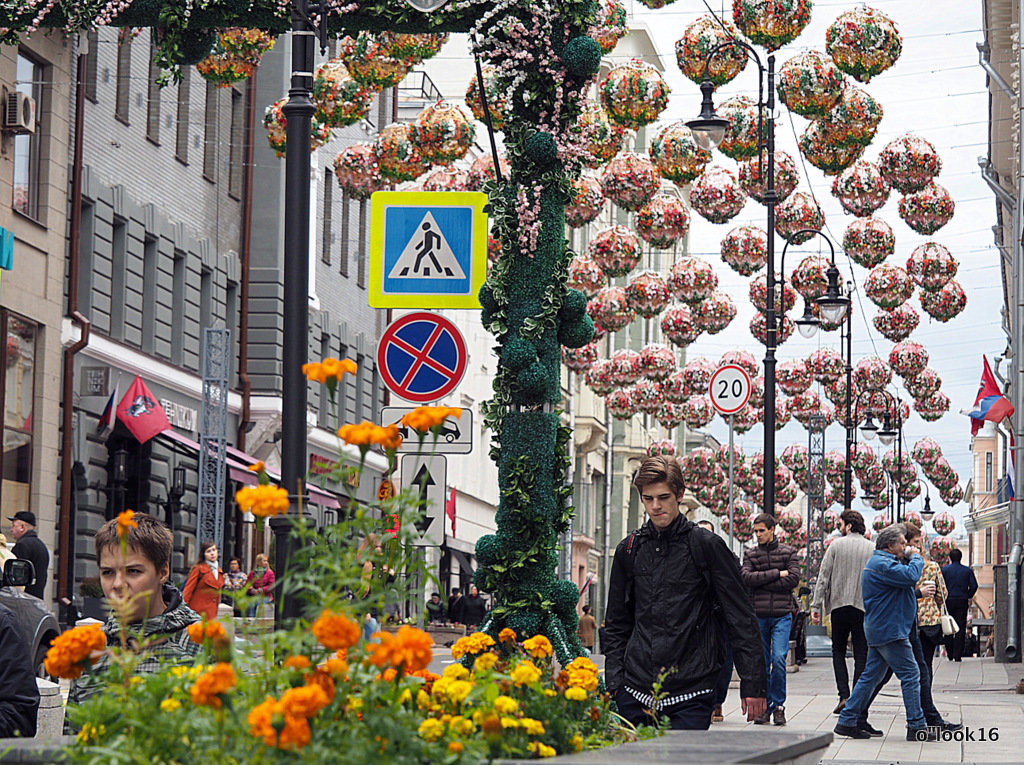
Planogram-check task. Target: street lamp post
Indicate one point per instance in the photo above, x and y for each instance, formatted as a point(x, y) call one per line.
point(891, 430)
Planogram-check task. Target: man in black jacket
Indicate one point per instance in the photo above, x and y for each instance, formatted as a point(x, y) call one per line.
point(667, 580)
point(19, 695)
point(30, 547)
point(961, 585)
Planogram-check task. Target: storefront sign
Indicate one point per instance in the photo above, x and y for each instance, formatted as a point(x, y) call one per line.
point(179, 415)
point(321, 465)
point(96, 381)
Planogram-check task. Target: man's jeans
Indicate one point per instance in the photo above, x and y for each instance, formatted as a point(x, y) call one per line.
point(931, 714)
point(847, 626)
point(775, 641)
point(899, 655)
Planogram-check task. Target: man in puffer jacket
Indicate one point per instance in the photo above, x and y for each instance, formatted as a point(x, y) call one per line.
point(771, 571)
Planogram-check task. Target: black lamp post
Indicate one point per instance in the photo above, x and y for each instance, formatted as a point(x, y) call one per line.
point(119, 478)
point(926, 512)
point(174, 495)
point(891, 430)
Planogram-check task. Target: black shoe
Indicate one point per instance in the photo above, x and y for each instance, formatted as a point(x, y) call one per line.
point(951, 727)
point(851, 732)
point(763, 719)
point(839, 706)
point(922, 734)
point(866, 727)
point(957, 659)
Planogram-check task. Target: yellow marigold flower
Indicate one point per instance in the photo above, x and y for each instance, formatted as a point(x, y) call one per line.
point(409, 649)
point(209, 688)
point(405, 696)
point(475, 643)
point(169, 705)
point(550, 692)
point(297, 662)
point(509, 722)
point(484, 662)
point(125, 522)
point(577, 742)
point(455, 747)
point(431, 729)
point(90, 733)
point(525, 673)
point(507, 635)
point(531, 726)
point(458, 691)
point(304, 701)
point(455, 672)
point(541, 749)
point(539, 647)
point(575, 693)
point(262, 500)
point(506, 705)
point(354, 703)
point(582, 673)
point(460, 726)
point(70, 650)
point(422, 699)
point(334, 631)
point(212, 631)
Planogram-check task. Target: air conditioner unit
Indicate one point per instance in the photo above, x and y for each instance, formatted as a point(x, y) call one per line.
point(20, 113)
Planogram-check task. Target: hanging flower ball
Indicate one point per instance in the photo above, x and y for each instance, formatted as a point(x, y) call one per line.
point(897, 324)
point(829, 157)
point(609, 309)
point(835, 467)
point(339, 99)
point(412, 48)
point(620, 404)
point(743, 359)
point(648, 396)
point(675, 387)
point(598, 377)
point(835, 391)
point(830, 522)
point(793, 376)
point(611, 25)
point(863, 42)
point(495, 99)
point(783, 414)
point(926, 451)
point(825, 365)
point(932, 408)
point(952, 495)
point(357, 171)
point(616, 250)
point(869, 241)
point(754, 176)
point(923, 384)
point(716, 195)
point(908, 358)
point(809, 277)
point(944, 523)
point(810, 84)
point(759, 294)
point(677, 326)
point(442, 133)
point(676, 155)
point(880, 522)
point(740, 141)
point(586, 275)
point(627, 367)
point(795, 458)
point(714, 498)
point(630, 181)
point(697, 375)
point(852, 121)
point(579, 359)
point(397, 155)
point(276, 124)
point(931, 266)
point(587, 200)
point(759, 331)
point(798, 212)
point(446, 179)
point(790, 520)
point(634, 94)
point(909, 163)
point(236, 54)
point(647, 294)
point(862, 456)
point(871, 372)
point(860, 189)
point(662, 448)
point(888, 286)
point(368, 61)
point(757, 392)
point(771, 24)
point(670, 415)
point(692, 280)
point(702, 37)
point(482, 171)
point(663, 221)
point(928, 210)
point(714, 313)
point(698, 465)
point(657, 361)
point(940, 549)
point(698, 411)
point(602, 139)
point(945, 303)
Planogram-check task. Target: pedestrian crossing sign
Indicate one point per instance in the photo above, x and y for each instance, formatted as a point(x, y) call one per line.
point(428, 249)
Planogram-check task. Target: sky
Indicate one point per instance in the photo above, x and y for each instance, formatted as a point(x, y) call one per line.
point(937, 90)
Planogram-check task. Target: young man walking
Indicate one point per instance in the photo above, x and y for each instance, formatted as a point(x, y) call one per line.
point(667, 580)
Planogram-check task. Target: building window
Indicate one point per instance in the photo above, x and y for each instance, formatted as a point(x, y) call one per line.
point(210, 134)
point(124, 75)
point(237, 149)
point(119, 261)
point(28, 148)
point(91, 60)
point(346, 209)
point(178, 306)
point(328, 217)
point(364, 211)
point(18, 353)
point(988, 546)
point(153, 97)
point(150, 256)
point(184, 94)
point(206, 317)
point(988, 471)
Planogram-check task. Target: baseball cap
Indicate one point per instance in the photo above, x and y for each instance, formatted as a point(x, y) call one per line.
point(24, 515)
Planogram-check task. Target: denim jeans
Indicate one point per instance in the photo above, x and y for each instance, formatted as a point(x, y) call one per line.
point(931, 714)
point(899, 655)
point(775, 641)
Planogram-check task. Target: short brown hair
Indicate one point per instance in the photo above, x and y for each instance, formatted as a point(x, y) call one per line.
point(911, 530)
point(854, 520)
point(657, 470)
point(151, 538)
point(766, 518)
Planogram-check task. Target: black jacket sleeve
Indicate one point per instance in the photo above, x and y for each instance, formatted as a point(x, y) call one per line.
point(739, 618)
point(619, 619)
point(19, 695)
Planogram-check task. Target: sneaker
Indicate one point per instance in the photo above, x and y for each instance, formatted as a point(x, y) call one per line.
point(716, 714)
point(763, 719)
point(840, 706)
point(779, 716)
point(851, 732)
point(922, 734)
point(866, 727)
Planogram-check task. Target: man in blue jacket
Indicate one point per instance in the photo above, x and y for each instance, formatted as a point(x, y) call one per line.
point(961, 585)
point(890, 609)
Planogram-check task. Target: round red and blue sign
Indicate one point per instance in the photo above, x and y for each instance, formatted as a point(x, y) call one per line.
point(421, 357)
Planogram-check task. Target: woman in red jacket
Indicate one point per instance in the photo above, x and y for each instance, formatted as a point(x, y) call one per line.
point(205, 581)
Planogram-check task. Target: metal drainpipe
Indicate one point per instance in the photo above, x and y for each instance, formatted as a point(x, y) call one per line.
point(983, 54)
point(1013, 607)
point(609, 464)
point(245, 255)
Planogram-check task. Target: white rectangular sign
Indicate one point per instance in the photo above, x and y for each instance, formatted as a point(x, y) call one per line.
point(426, 474)
point(456, 433)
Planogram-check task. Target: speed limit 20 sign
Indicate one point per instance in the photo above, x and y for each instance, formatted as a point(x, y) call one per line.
point(729, 389)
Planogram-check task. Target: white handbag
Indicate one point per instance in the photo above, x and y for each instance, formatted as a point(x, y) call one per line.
point(949, 625)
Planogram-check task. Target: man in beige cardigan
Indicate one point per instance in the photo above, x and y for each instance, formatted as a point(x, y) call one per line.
point(838, 592)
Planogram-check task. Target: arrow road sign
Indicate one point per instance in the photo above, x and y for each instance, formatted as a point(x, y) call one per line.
point(456, 435)
point(426, 475)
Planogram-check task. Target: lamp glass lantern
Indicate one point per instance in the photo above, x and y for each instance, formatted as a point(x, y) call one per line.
point(888, 433)
point(833, 304)
point(178, 481)
point(869, 429)
point(426, 6)
point(807, 325)
point(120, 466)
point(709, 128)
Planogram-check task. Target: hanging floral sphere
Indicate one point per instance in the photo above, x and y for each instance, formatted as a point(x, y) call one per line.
point(646, 293)
point(442, 133)
point(412, 48)
point(657, 361)
point(888, 286)
point(602, 138)
point(495, 99)
point(714, 313)
point(803, 405)
point(944, 523)
point(897, 324)
point(830, 522)
point(932, 408)
point(940, 549)
point(909, 163)
point(863, 42)
point(579, 359)
point(771, 24)
point(757, 392)
point(835, 467)
point(946, 303)
point(923, 384)
point(236, 54)
point(854, 120)
point(692, 280)
point(758, 329)
point(482, 171)
point(952, 495)
point(616, 250)
point(783, 414)
point(276, 124)
point(634, 94)
point(798, 212)
point(871, 372)
point(738, 457)
point(397, 154)
point(611, 25)
point(740, 140)
point(860, 189)
point(879, 522)
point(598, 377)
point(793, 376)
point(825, 365)
point(647, 396)
point(587, 200)
point(829, 157)
point(931, 266)
point(926, 451)
point(716, 195)
point(670, 415)
point(810, 84)
point(697, 375)
point(662, 448)
point(835, 391)
point(586, 275)
point(790, 520)
point(626, 368)
point(754, 176)
point(357, 171)
point(699, 40)
point(928, 210)
point(908, 358)
point(908, 493)
point(809, 277)
point(367, 59)
point(890, 460)
point(795, 458)
point(862, 456)
point(676, 155)
point(743, 359)
point(620, 404)
point(675, 387)
point(446, 179)
point(698, 411)
point(869, 241)
point(663, 221)
point(698, 464)
point(941, 474)
point(630, 181)
point(714, 499)
point(609, 309)
point(677, 326)
point(784, 294)
point(339, 99)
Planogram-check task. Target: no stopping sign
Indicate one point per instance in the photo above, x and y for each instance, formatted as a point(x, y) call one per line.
point(729, 389)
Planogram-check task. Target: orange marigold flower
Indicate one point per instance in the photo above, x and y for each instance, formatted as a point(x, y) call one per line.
point(358, 435)
point(295, 734)
point(258, 467)
point(212, 631)
point(210, 686)
point(336, 667)
point(475, 643)
point(261, 721)
point(263, 500)
point(323, 679)
point(334, 368)
point(455, 747)
point(335, 631)
point(314, 372)
point(304, 701)
point(125, 522)
point(70, 650)
point(387, 437)
point(538, 647)
point(423, 418)
point(507, 635)
point(297, 662)
point(409, 649)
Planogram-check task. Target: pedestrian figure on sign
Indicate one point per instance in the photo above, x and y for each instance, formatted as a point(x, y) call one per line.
point(425, 248)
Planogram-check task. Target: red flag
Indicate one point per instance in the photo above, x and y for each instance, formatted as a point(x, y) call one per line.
point(141, 413)
point(449, 509)
point(990, 403)
point(988, 385)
